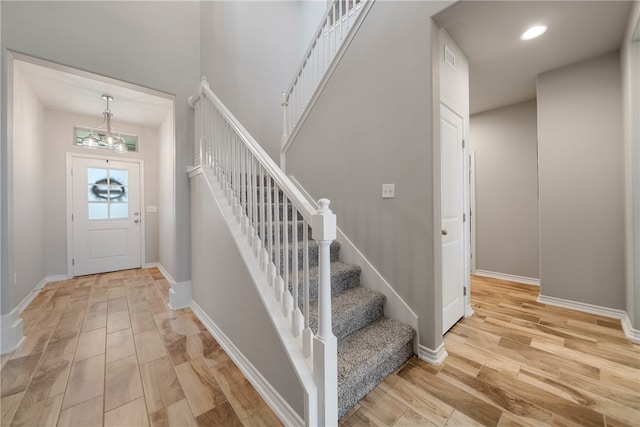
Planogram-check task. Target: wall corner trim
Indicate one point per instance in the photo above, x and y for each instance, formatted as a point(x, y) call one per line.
point(180, 292)
point(434, 357)
point(505, 276)
point(631, 334)
point(275, 401)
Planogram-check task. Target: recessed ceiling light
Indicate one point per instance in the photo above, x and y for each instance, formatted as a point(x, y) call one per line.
point(533, 32)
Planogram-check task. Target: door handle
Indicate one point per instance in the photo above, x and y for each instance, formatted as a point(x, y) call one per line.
point(443, 232)
point(136, 221)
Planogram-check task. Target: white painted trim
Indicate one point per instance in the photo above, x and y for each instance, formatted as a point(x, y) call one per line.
point(434, 357)
point(11, 332)
point(510, 277)
point(180, 292)
point(180, 295)
point(630, 333)
point(11, 324)
point(370, 278)
point(69, 185)
point(275, 401)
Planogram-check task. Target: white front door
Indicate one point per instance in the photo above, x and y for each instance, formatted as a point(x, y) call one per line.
point(106, 215)
point(452, 207)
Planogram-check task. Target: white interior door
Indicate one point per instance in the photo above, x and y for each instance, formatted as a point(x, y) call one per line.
point(106, 215)
point(452, 206)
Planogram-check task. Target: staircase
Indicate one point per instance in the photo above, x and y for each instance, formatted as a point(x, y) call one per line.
point(370, 346)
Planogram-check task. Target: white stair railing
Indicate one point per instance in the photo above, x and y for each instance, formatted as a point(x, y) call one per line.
point(337, 28)
point(264, 199)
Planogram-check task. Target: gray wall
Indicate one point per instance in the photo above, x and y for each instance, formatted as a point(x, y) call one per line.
point(28, 193)
point(630, 58)
point(580, 155)
point(506, 212)
point(373, 125)
point(157, 45)
point(223, 288)
point(58, 126)
point(250, 51)
point(166, 194)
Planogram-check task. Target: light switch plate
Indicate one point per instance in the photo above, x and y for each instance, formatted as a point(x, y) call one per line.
point(388, 191)
point(152, 209)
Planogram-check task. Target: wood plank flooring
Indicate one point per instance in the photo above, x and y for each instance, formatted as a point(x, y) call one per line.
point(105, 350)
point(515, 362)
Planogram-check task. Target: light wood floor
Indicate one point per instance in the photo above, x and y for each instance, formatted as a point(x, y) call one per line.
point(105, 350)
point(515, 363)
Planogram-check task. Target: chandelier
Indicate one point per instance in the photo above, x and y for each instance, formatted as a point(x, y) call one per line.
point(109, 138)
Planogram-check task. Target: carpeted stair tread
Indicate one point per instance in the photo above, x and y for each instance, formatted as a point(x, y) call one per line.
point(343, 276)
point(351, 310)
point(369, 355)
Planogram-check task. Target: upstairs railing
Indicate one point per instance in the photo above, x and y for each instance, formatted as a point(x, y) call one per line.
point(335, 32)
point(278, 223)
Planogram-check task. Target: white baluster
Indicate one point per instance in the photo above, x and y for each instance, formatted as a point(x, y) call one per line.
point(285, 253)
point(307, 333)
point(277, 240)
point(295, 319)
point(325, 345)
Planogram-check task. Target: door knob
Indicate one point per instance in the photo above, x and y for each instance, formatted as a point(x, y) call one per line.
point(444, 232)
point(136, 221)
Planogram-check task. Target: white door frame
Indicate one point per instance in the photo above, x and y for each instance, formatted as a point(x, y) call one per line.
point(69, 186)
point(468, 311)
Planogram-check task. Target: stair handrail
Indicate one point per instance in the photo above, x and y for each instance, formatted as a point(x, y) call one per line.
point(238, 168)
point(337, 28)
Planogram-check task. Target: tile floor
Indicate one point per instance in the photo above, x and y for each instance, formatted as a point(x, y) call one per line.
point(105, 350)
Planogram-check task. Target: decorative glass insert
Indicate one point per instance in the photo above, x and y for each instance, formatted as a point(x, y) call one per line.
point(130, 141)
point(108, 195)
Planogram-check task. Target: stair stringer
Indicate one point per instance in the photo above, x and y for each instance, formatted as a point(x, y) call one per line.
point(394, 307)
point(302, 366)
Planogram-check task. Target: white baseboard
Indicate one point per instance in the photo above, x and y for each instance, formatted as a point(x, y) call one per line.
point(279, 405)
point(630, 333)
point(434, 357)
point(11, 325)
point(510, 277)
point(11, 333)
point(180, 292)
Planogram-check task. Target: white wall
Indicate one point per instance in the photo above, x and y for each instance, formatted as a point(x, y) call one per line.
point(630, 63)
point(58, 126)
point(505, 142)
point(223, 288)
point(27, 195)
point(373, 125)
point(156, 45)
point(250, 51)
point(581, 178)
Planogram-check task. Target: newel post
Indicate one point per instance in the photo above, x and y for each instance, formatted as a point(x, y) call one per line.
point(325, 344)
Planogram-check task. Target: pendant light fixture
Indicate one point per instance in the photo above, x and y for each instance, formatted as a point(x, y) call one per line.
point(105, 138)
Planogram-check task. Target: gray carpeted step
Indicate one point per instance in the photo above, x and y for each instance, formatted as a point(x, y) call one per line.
point(351, 310)
point(369, 355)
point(343, 276)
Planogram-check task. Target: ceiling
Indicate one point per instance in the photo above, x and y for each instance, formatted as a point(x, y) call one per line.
point(503, 68)
point(64, 89)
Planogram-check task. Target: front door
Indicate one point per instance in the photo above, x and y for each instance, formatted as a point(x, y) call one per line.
point(452, 208)
point(106, 215)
